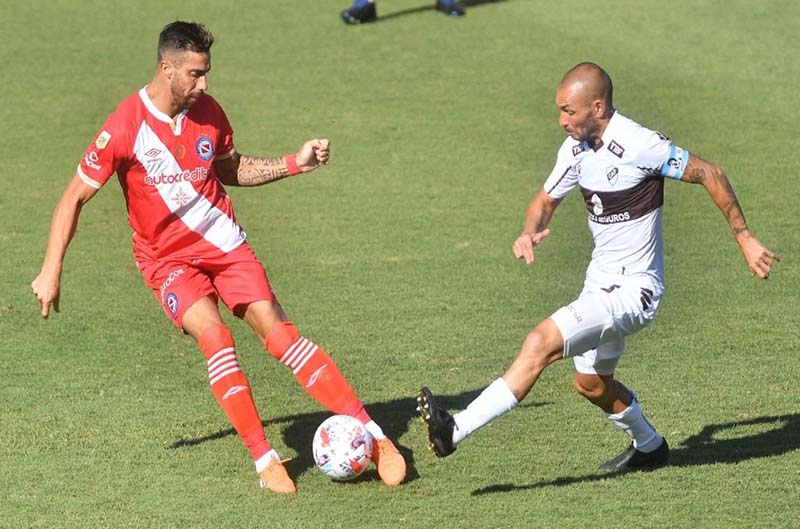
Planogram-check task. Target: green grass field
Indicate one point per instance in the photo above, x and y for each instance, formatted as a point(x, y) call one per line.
point(397, 258)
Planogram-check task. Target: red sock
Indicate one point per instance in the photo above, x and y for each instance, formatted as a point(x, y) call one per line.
point(315, 370)
point(231, 388)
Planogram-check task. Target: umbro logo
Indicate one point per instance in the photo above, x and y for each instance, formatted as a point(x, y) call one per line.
point(233, 391)
point(315, 375)
point(152, 153)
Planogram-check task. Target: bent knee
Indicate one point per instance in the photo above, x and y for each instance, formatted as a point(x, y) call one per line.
point(591, 387)
point(540, 349)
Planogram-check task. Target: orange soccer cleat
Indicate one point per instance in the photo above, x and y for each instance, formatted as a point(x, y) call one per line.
point(276, 479)
point(390, 463)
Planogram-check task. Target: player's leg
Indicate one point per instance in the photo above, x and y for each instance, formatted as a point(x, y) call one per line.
point(230, 387)
point(244, 287)
point(318, 374)
point(542, 347)
point(594, 379)
point(648, 449)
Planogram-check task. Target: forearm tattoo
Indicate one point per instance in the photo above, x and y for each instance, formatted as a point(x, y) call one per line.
point(255, 171)
point(722, 193)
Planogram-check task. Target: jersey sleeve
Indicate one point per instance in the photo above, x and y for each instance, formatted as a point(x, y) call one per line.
point(563, 177)
point(665, 157)
point(224, 143)
point(103, 156)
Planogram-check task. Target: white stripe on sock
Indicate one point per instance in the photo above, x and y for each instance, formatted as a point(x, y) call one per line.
point(223, 375)
point(214, 357)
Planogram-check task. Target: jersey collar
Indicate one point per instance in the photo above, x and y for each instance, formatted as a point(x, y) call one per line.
point(175, 124)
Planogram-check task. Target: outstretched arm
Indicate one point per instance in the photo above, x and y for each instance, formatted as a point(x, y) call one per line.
point(698, 171)
point(47, 285)
point(540, 211)
point(248, 171)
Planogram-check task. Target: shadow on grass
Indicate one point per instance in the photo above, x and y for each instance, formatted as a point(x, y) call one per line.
point(430, 7)
point(716, 443)
point(393, 416)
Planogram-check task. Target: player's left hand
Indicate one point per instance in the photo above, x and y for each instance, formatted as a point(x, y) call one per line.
point(758, 257)
point(312, 154)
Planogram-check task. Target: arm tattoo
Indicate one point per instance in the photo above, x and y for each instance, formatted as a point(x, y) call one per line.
point(255, 171)
point(696, 175)
point(725, 198)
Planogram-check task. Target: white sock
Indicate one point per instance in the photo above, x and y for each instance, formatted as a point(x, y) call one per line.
point(263, 461)
point(633, 422)
point(493, 402)
point(374, 430)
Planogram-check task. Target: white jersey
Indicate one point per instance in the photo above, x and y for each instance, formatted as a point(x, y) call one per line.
point(623, 188)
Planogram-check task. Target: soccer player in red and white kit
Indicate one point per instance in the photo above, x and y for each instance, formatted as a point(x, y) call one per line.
point(620, 168)
point(171, 146)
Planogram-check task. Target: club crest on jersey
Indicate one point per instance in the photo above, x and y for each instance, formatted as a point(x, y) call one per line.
point(616, 149)
point(204, 148)
point(172, 304)
point(612, 173)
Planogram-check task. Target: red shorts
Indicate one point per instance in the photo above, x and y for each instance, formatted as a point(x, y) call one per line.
point(238, 278)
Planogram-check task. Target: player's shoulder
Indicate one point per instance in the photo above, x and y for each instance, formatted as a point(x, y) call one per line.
point(121, 124)
point(206, 104)
point(630, 137)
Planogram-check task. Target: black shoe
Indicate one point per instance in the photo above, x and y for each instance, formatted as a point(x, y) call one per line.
point(632, 459)
point(450, 8)
point(360, 15)
point(440, 424)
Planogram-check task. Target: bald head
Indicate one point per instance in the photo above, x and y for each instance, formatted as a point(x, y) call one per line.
point(590, 81)
point(585, 99)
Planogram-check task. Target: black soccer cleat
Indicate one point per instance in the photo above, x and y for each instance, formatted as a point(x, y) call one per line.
point(632, 459)
point(450, 8)
point(360, 15)
point(440, 424)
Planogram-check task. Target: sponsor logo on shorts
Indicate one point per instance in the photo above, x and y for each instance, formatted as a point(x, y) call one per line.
point(195, 175)
point(204, 148)
point(612, 288)
point(91, 160)
point(175, 274)
point(575, 313)
point(616, 149)
point(172, 304)
point(102, 140)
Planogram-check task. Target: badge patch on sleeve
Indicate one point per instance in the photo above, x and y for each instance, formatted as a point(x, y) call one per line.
point(676, 163)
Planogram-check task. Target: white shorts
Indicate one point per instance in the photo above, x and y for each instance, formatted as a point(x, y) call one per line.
point(610, 307)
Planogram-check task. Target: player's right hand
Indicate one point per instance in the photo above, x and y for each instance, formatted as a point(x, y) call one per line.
point(523, 246)
point(47, 291)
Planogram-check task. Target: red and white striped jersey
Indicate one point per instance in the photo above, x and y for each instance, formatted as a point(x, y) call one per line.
point(176, 206)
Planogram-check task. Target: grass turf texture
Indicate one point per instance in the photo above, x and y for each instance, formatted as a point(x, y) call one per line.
point(397, 259)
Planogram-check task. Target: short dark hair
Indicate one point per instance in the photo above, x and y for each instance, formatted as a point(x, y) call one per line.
point(184, 36)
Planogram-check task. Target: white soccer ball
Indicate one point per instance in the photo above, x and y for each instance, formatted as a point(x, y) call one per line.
point(342, 447)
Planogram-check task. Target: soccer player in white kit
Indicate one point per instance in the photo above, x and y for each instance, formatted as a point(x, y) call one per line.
point(620, 168)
